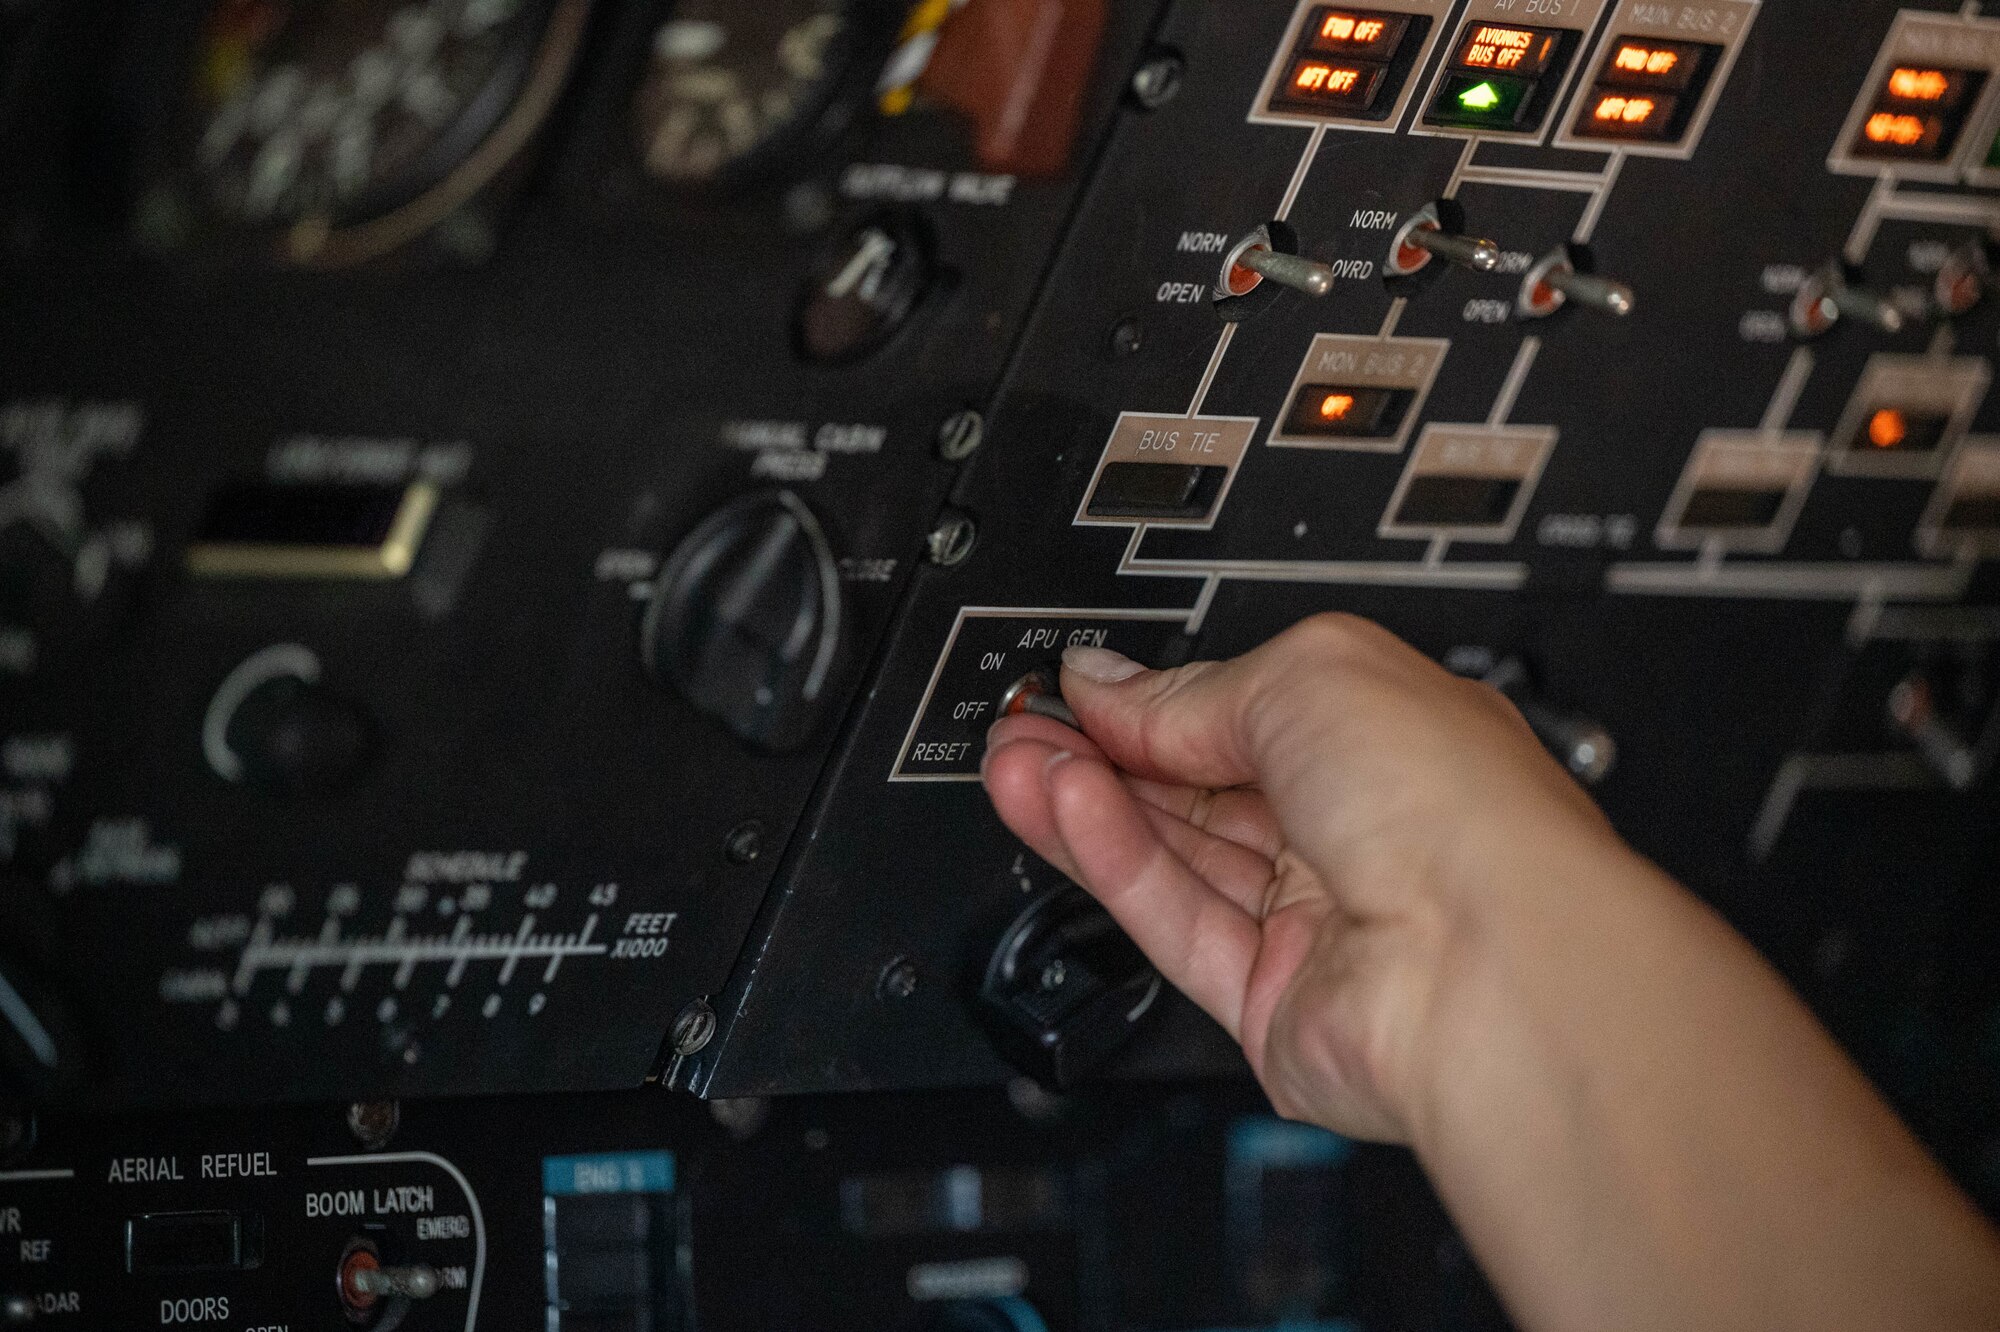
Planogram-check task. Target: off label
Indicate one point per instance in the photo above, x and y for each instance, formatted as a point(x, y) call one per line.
point(988, 653)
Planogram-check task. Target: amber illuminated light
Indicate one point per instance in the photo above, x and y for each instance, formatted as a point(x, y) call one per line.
point(1325, 78)
point(1888, 428)
point(1336, 406)
point(1348, 28)
point(1890, 128)
point(1499, 48)
point(1645, 60)
point(1919, 85)
point(1628, 110)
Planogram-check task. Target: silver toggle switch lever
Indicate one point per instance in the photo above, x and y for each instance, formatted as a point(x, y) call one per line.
point(1424, 238)
point(1555, 282)
point(1257, 259)
point(1289, 270)
point(415, 1281)
point(1582, 745)
point(1913, 709)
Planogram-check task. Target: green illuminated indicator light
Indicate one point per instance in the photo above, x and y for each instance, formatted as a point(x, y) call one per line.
point(1481, 97)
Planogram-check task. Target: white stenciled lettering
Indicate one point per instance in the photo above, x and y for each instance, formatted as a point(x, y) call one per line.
point(143, 1170)
point(443, 1228)
point(465, 866)
point(342, 1202)
point(196, 1309)
point(405, 1199)
point(1202, 242)
point(237, 1165)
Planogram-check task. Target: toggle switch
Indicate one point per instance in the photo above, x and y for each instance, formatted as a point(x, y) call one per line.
point(1555, 282)
point(1945, 750)
point(1426, 237)
point(1258, 258)
point(1962, 280)
point(1578, 742)
point(1829, 295)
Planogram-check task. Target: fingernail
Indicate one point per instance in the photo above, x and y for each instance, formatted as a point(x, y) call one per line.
point(1100, 665)
point(1059, 757)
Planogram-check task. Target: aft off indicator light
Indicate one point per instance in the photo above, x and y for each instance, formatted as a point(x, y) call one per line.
point(1918, 113)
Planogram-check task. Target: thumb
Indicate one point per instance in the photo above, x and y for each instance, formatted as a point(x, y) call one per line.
point(1184, 726)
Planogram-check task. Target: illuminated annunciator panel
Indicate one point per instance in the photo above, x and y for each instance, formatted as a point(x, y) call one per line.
point(1654, 79)
point(1468, 482)
point(1359, 393)
point(1928, 102)
point(1907, 415)
point(1964, 513)
point(1502, 78)
point(1349, 65)
point(1742, 490)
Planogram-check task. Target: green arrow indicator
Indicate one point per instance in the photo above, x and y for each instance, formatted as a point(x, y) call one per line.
point(1481, 97)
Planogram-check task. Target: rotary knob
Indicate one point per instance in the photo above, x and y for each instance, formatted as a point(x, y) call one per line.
point(745, 619)
point(275, 726)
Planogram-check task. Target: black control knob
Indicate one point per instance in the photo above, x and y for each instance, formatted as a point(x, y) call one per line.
point(1066, 989)
point(745, 620)
point(294, 737)
point(864, 290)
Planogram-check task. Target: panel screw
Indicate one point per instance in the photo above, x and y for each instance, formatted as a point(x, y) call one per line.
point(374, 1123)
point(898, 979)
point(952, 539)
point(1053, 975)
point(745, 842)
point(694, 1028)
point(961, 435)
point(1126, 337)
point(1158, 81)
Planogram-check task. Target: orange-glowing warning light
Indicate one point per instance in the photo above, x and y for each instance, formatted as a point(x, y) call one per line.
point(1336, 406)
point(1492, 47)
point(1656, 61)
point(1361, 33)
point(1888, 428)
point(1352, 28)
point(1897, 131)
point(1919, 85)
point(1618, 109)
point(1315, 77)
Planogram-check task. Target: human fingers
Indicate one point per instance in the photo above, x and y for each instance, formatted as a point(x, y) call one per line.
point(1240, 814)
point(1204, 944)
point(1234, 870)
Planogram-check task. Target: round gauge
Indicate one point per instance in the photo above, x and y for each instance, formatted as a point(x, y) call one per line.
point(319, 115)
point(728, 82)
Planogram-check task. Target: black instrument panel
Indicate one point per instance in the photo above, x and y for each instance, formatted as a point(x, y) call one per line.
point(531, 627)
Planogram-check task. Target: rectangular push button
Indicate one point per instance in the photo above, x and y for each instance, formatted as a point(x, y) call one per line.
point(1717, 508)
point(1340, 411)
point(1468, 482)
point(1457, 501)
point(313, 531)
point(1360, 34)
point(1346, 87)
point(1349, 66)
point(1493, 48)
point(1156, 490)
point(165, 1243)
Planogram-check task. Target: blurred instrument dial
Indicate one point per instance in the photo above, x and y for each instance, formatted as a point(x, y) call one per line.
point(729, 82)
